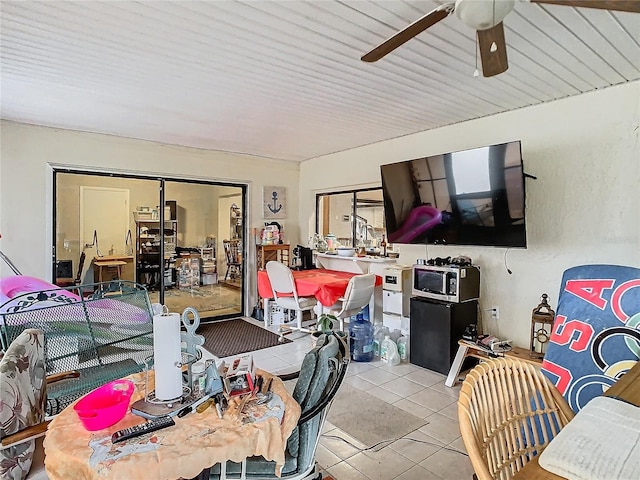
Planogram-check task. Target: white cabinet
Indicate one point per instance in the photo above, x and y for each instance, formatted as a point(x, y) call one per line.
point(396, 298)
point(395, 303)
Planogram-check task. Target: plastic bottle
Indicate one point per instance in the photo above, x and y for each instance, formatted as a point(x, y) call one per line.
point(378, 337)
point(331, 242)
point(394, 357)
point(361, 334)
point(403, 348)
point(198, 378)
point(389, 351)
point(395, 335)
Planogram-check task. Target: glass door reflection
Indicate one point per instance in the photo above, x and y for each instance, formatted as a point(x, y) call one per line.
point(196, 265)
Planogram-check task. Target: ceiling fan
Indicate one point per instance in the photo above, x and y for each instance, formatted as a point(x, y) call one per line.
point(485, 16)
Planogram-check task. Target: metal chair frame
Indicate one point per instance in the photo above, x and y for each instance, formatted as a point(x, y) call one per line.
point(285, 293)
point(356, 297)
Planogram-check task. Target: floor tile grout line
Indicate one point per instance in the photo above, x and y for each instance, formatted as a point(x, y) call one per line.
point(375, 371)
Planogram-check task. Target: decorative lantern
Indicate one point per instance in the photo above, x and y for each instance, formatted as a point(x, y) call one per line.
point(541, 325)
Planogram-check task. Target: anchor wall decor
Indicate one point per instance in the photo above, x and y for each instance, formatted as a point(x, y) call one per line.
point(274, 202)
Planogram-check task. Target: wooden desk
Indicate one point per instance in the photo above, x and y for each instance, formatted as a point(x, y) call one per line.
point(468, 349)
point(196, 442)
point(121, 265)
point(627, 388)
point(117, 264)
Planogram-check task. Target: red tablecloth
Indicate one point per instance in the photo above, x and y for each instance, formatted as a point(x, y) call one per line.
point(326, 285)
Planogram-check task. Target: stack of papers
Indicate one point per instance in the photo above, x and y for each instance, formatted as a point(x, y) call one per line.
point(601, 442)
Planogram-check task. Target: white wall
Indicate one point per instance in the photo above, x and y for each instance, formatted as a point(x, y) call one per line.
point(583, 208)
point(26, 183)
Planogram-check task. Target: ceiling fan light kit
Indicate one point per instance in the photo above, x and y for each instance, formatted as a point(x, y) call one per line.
point(482, 14)
point(486, 16)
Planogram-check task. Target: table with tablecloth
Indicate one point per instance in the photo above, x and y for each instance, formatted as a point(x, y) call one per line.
point(195, 443)
point(326, 285)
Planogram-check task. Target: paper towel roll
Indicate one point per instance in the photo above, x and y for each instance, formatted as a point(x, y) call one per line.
point(167, 356)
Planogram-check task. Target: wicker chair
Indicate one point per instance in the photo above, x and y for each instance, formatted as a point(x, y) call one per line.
point(508, 413)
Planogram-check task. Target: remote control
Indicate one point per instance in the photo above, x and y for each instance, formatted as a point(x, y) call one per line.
point(137, 430)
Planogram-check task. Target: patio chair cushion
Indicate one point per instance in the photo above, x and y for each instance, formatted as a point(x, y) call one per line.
point(596, 333)
point(22, 399)
point(316, 377)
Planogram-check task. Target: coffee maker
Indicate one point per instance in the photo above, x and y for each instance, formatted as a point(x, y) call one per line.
point(303, 258)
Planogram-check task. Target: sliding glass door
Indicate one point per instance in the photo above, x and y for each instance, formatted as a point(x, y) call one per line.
point(197, 273)
point(111, 227)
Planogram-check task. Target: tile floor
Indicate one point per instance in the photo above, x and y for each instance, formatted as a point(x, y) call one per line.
point(432, 452)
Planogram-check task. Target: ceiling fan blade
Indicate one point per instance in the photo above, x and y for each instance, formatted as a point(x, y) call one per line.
point(494, 62)
point(407, 33)
point(620, 5)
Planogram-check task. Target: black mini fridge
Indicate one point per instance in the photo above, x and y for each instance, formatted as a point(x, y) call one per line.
point(435, 330)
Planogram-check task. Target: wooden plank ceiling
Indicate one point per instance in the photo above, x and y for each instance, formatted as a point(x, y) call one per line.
point(283, 79)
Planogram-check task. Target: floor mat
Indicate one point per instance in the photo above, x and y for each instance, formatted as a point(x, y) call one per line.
point(383, 421)
point(232, 337)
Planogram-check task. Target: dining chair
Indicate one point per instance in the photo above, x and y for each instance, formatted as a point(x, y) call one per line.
point(70, 282)
point(508, 413)
point(357, 295)
point(285, 293)
point(322, 371)
point(23, 402)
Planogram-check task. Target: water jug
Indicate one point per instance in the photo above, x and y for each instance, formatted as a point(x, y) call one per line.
point(361, 335)
point(365, 313)
point(389, 351)
point(394, 357)
point(403, 348)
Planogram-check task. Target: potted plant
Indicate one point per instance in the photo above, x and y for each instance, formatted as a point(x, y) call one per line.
point(325, 324)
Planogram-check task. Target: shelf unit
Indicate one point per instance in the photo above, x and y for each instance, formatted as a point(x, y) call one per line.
point(148, 237)
point(235, 222)
point(266, 253)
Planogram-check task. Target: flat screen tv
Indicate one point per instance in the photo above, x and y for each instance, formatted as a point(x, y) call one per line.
point(471, 197)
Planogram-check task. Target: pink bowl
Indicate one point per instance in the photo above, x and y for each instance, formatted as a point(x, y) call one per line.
point(105, 406)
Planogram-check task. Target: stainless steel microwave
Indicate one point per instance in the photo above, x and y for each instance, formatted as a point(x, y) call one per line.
point(449, 283)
